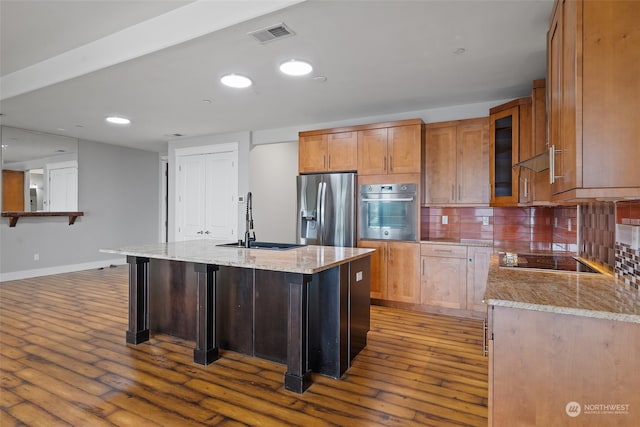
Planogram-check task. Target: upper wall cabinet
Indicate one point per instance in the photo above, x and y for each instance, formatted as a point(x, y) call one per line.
point(329, 152)
point(375, 149)
point(390, 150)
point(457, 162)
point(510, 128)
point(535, 188)
point(593, 89)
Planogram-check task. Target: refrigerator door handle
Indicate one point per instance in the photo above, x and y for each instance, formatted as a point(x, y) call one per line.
point(319, 212)
point(322, 206)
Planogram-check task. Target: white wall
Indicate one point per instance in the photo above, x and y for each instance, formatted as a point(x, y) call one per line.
point(274, 168)
point(118, 192)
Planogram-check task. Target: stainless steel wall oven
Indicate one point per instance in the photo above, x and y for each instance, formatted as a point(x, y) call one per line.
point(388, 212)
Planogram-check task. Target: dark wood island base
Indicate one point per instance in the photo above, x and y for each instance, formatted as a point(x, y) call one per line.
point(311, 322)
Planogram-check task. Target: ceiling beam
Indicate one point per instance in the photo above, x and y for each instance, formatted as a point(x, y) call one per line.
point(177, 26)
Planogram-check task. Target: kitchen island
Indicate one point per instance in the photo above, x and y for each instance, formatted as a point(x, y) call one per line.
point(307, 306)
point(564, 348)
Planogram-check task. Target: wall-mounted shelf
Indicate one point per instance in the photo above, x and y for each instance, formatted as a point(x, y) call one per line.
point(15, 216)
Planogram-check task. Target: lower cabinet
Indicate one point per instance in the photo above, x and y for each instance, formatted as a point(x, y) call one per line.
point(454, 276)
point(478, 259)
point(435, 276)
point(557, 369)
point(444, 276)
point(395, 270)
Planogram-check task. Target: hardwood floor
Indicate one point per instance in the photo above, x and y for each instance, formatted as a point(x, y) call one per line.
point(64, 361)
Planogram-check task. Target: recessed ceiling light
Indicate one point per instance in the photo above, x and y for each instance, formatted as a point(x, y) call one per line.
point(118, 120)
point(236, 81)
point(295, 67)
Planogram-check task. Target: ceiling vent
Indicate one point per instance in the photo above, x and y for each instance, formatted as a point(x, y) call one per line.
point(273, 32)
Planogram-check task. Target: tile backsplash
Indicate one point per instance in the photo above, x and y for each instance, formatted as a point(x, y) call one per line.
point(627, 246)
point(513, 229)
point(598, 233)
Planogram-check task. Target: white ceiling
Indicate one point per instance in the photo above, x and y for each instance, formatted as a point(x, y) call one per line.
point(68, 64)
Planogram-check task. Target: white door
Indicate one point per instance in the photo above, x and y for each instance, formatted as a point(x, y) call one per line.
point(191, 200)
point(63, 189)
point(207, 185)
point(220, 203)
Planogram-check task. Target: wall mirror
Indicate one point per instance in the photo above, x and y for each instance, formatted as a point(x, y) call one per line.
point(39, 171)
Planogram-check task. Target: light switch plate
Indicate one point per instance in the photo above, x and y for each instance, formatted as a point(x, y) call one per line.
point(485, 220)
point(358, 276)
point(445, 219)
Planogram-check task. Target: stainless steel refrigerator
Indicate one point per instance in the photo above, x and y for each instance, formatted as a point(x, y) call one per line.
point(327, 209)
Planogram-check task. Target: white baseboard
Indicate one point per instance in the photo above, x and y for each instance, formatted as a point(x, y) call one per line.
point(27, 274)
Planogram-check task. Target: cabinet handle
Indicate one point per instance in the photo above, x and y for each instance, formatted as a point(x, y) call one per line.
point(384, 163)
point(422, 273)
point(329, 161)
point(526, 187)
point(390, 254)
point(443, 250)
point(390, 163)
point(485, 344)
point(552, 164)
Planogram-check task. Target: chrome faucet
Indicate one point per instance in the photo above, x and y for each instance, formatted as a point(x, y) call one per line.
point(249, 223)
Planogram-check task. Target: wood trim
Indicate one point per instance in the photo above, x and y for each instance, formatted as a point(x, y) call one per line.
point(410, 122)
point(436, 125)
point(432, 309)
point(539, 84)
point(515, 103)
point(589, 194)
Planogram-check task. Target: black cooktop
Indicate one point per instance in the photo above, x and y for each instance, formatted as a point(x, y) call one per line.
point(565, 263)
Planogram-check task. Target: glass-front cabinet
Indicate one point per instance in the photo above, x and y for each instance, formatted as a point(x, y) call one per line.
point(503, 155)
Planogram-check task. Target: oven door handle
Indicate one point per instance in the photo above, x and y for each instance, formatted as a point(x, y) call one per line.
point(392, 199)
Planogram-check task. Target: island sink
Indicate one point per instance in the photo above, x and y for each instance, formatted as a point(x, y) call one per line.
point(262, 245)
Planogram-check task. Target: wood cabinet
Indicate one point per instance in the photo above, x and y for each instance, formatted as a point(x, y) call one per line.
point(444, 276)
point(12, 190)
point(454, 276)
point(394, 270)
point(510, 130)
point(457, 162)
point(593, 89)
point(478, 259)
point(372, 149)
point(378, 267)
point(390, 150)
point(540, 362)
point(331, 152)
point(538, 191)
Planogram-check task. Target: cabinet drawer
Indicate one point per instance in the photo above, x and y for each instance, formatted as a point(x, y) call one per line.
point(447, 251)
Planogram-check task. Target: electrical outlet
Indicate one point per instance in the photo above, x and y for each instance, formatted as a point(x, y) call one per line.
point(485, 220)
point(36, 257)
point(445, 219)
point(569, 224)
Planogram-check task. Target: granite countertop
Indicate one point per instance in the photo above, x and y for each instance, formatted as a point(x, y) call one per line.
point(590, 295)
point(306, 259)
point(460, 242)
